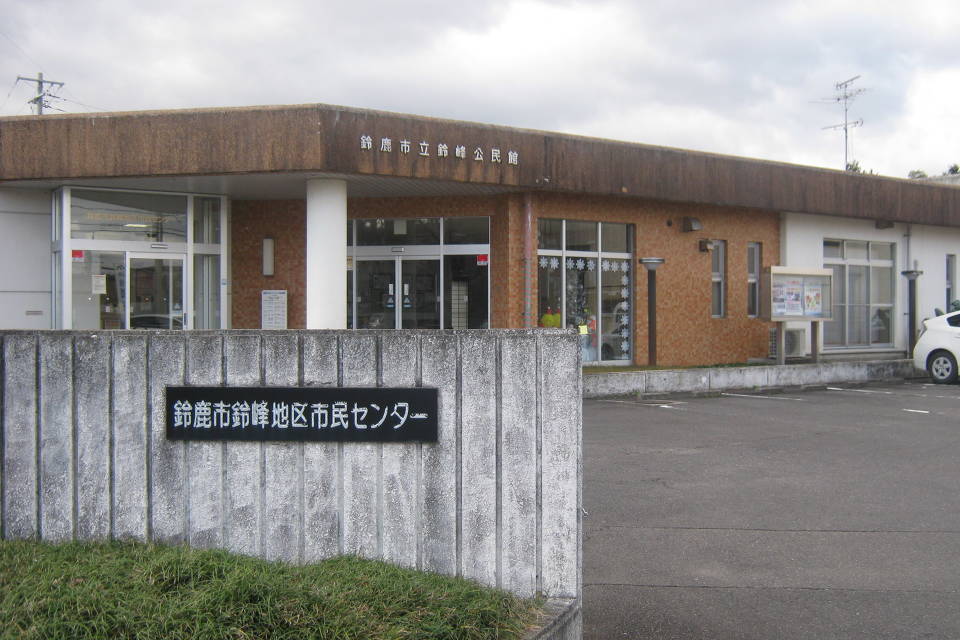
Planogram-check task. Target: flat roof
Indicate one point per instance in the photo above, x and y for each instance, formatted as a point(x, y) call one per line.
point(267, 152)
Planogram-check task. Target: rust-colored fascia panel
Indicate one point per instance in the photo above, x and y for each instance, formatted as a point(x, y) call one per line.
point(343, 140)
point(194, 142)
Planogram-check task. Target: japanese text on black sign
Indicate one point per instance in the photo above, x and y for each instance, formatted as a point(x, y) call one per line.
point(302, 413)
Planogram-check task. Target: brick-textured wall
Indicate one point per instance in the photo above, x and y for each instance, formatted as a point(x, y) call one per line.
point(687, 335)
point(286, 222)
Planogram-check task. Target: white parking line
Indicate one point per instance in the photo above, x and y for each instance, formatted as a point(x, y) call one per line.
point(772, 397)
point(656, 405)
point(916, 411)
point(887, 393)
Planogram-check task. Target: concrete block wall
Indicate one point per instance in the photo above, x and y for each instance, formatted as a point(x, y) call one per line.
point(496, 499)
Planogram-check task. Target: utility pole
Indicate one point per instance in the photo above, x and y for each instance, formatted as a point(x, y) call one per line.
point(845, 95)
point(40, 100)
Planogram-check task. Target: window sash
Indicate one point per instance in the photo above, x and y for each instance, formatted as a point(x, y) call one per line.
point(718, 277)
point(864, 293)
point(586, 288)
point(753, 278)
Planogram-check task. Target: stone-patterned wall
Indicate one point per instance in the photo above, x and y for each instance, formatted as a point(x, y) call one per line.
point(496, 499)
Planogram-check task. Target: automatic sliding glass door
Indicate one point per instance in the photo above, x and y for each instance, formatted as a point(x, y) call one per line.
point(155, 291)
point(398, 293)
point(123, 290)
point(376, 297)
point(420, 293)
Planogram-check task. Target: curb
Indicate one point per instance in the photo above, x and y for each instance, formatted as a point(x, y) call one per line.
point(755, 379)
point(562, 620)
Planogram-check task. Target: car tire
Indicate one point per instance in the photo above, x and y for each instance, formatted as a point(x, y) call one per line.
point(942, 367)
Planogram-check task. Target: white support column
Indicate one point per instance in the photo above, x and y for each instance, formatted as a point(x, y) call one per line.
point(326, 254)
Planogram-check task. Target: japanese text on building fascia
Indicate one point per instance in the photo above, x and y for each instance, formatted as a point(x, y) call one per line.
point(442, 150)
point(291, 415)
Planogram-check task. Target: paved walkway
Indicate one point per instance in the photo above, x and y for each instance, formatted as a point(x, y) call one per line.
point(824, 514)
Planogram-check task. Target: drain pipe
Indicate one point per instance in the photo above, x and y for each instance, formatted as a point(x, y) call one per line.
point(912, 276)
point(908, 236)
point(910, 272)
point(528, 260)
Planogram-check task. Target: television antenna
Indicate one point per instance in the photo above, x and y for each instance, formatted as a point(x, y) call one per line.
point(845, 95)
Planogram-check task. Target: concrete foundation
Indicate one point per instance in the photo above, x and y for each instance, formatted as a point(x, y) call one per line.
point(602, 384)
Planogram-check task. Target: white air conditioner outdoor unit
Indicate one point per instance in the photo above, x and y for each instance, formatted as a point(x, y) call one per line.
point(794, 341)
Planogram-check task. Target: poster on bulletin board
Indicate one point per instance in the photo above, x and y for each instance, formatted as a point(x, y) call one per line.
point(797, 294)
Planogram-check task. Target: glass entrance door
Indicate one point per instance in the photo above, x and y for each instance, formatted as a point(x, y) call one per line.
point(155, 291)
point(376, 297)
point(398, 293)
point(420, 293)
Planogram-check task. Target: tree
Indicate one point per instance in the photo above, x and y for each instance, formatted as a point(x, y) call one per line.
point(916, 174)
point(854, 166)
point(952, 170)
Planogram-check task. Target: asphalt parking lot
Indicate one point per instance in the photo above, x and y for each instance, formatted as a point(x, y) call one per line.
point(821, 514)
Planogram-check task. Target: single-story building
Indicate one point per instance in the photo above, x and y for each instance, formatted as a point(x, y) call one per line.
point(318, 216)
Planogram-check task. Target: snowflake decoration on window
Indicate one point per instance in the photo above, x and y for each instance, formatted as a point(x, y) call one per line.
point(624, 280)
point(544, 261)
point(591, 265)
point(624, 293)
point(554, 263)
point(605, 265)
point(624, 333)
point(624, 320)
point(625, 346)
point(569, 263)
point(581, 264)
point(624, 266)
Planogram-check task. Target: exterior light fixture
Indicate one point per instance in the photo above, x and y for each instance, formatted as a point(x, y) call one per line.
point(268, 254)
point(706, 245)
point(651, 265)
point(692, 224)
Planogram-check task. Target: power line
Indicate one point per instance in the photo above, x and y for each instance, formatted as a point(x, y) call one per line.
point(9, 93)
point(25, 54)
point(72, 99)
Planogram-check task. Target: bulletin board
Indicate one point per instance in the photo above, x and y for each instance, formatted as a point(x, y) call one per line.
point(797, 294)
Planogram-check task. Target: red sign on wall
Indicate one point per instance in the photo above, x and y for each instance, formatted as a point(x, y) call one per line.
point(483, 259)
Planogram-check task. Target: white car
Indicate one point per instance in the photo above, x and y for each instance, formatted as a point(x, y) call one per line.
point(938, 347)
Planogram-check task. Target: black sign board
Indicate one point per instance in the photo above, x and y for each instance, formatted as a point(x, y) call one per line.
point(302, 413)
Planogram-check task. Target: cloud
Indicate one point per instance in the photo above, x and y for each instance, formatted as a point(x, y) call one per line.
point(740, 77)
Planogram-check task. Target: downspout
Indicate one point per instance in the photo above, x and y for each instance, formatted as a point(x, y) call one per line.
point(907, 265)
point(528, 259)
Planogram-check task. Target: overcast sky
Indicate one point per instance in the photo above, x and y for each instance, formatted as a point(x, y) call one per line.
point(740, 77)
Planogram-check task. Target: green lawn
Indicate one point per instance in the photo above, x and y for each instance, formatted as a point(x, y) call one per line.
point(130, 590)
